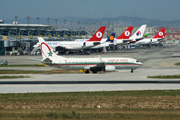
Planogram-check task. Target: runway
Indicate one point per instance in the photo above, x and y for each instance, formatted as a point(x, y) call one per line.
point(40, 88)
point(156, 61)
point(87, 82)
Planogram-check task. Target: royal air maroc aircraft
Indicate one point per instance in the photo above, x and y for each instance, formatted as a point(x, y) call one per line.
point(138, 35)
point(124, 37)
point(87, 64)
point(148, 41)
point(74, 45)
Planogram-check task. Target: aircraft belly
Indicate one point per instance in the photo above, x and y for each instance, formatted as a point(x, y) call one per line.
point(126, 66)
point(72, 67)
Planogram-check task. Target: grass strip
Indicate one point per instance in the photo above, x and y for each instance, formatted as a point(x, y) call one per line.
point(165, 76)
point(13, 77)
point(178, 64)
point(113, 105)
point(24, 65)
point(55, 71)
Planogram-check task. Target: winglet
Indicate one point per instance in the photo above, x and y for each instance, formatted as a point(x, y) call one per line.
point(98, 35)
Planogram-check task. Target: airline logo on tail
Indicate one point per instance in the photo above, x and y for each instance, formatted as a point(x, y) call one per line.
point(138, 33)
point(98, 35)
point(127, 33)
point(46, 50)
point(160, 34)
point(111, 38)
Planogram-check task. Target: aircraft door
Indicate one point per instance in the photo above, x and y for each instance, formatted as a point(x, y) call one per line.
point(84, 44)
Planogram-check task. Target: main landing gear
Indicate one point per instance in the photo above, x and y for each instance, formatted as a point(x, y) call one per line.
point(132, 70)
point(87, 71)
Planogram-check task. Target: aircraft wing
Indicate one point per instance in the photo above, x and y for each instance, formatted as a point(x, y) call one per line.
point(97, 67)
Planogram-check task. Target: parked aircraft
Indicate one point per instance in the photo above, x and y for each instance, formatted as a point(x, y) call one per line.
point(87, 64)
point(138, 35)
point(124, 37)
point(107, 43)
point(148, 41)
point(146, 35)
point(80, 45)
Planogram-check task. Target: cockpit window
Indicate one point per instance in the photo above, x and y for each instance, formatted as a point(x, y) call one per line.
point(137, 61)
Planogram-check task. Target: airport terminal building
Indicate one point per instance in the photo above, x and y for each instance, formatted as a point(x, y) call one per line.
point(20, 38)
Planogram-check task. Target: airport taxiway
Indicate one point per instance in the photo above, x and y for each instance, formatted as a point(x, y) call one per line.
point(156, 61)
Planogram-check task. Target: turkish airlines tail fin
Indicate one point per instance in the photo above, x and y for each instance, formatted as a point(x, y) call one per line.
point(161, 33)
point(139, 33)
point(98, 35)
point(126, 34)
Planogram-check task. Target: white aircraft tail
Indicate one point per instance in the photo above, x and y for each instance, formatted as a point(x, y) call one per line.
point(139, 33)
point(46, 50)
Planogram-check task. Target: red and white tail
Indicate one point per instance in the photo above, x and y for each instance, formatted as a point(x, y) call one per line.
point(161, 33)
point(126, 34)
point(98, 35)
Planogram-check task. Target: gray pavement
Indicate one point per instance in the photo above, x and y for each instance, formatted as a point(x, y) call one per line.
point(156, 61)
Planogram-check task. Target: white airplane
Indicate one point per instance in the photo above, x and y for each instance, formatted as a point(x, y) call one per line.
point(138, 35)
point(87, 64)
point(80, 45)
point(148, 41)
point(109, 41)
point(124, 37)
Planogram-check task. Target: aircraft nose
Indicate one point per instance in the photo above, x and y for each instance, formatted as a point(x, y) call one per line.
point(140, 63)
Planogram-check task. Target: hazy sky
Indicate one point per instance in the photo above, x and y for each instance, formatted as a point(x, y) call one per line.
point(153, 9)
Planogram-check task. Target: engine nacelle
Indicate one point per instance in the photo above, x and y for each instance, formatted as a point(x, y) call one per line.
point(110, 68)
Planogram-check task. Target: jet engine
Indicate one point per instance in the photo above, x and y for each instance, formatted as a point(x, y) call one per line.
point(110, 68)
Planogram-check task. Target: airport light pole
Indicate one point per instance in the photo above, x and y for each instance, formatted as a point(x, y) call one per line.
point(48, 24)
point(64, 26)
point(56, 21)
point(16, 17)
point(71, 24)
point(78, 26)
point(85, 25)
point(28, 18)
point(71, 29)
point(38, 25)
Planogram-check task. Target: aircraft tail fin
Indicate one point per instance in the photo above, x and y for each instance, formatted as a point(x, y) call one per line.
point(146, 35)
point(161, 33)
point(126, 34)
point(139, 33)
point(46, 50)
point(111, 38)
point(98, 35)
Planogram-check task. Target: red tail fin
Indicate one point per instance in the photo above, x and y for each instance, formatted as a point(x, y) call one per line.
point(161, 33)
point(98, 35)
point(126, 34)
